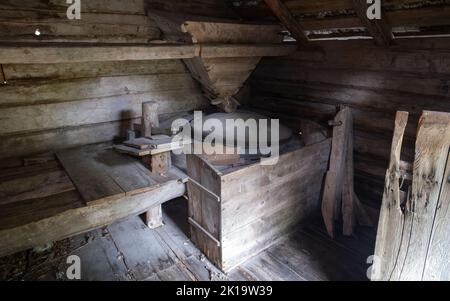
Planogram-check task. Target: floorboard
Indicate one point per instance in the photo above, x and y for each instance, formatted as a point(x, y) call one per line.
point(128, 250)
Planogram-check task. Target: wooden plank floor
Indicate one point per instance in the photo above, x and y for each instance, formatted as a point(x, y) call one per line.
point(128, 250)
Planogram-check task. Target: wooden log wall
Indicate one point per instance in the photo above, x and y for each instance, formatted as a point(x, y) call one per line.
point(51, 106)
point(374, 81)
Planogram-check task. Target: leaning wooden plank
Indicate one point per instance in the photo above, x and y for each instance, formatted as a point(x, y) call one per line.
point(332, 196)
point(437, 266)
point(390, 225)
point(76, 54)
point(81, 220)
point(406, 231)
point(420, 216)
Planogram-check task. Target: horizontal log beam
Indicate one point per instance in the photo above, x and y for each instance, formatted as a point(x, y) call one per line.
point(80, 220)
point(258, 50)
point(77, 54)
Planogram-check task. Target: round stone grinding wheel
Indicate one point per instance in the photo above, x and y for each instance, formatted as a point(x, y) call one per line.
point(250, 133)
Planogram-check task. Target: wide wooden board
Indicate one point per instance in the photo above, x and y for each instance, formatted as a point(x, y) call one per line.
point(101, 175)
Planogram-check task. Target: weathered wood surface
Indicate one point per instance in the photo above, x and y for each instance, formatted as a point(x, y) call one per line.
point(245, 220)
point(67, 105)
point(409, 230)
point(336, 175)
point(198, 8)
point(204, 207)
point(102, 22)
point(154, 217)
point(34, 186)
point(114, 115)
point(103, 175)
point(283, 13)
point(391, 221)
point(350, 202)
point(380, 30)
point(162, 143)
point(243, 50)
point(78, 54)
point(222, 70)
point(91, 69)
point(310, 15)
point(48, 92)
point(167, 254)
point(374, 81)
point(149, 118)
point(79, 220)
point(232, 33)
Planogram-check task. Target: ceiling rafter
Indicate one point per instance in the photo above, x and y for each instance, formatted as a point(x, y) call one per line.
point(288, 20)
point(380, 30)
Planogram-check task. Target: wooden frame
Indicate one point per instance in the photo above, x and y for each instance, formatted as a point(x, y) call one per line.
point(258, 204)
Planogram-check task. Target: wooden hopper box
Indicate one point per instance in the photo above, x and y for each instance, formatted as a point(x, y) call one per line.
point(238, 213)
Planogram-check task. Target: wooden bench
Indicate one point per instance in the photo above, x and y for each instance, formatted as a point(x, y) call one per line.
point(93, 187)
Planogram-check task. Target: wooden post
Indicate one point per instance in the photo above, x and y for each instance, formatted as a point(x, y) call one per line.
point(2, 75)
point(412, 240)
point(334, 181)
point(339, 194)
point(161, 163)
point(150, 119)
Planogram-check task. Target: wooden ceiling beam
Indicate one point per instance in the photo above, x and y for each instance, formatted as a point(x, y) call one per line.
point(288, 20)
point(67, 54)
point(380, 30)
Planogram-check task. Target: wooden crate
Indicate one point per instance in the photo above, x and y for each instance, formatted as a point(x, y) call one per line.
point(235, 215)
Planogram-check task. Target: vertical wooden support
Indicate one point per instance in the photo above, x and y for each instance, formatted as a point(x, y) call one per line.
point(154, 217)
point(150, 119)
point(161, 163)
point(339, 193)
point(334, 181)
point(412, 240)
point(348, 191)
point(2, 75)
